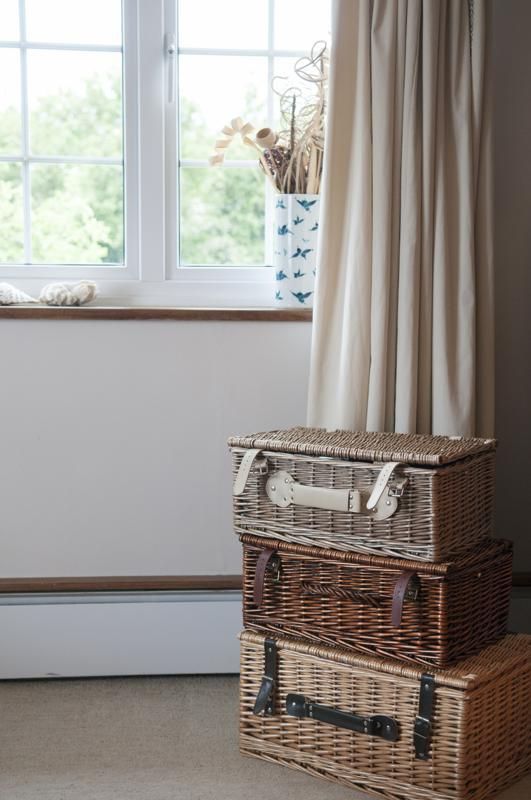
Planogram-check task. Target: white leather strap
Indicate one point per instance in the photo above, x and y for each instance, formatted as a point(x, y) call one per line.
point(243, 472)
point(381, 482)
point(330, 499)
point(284, 491)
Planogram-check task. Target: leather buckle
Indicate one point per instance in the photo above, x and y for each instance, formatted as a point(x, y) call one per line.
point(265, 699)
point(397, 488)
point(274, 568)
point(422, 730)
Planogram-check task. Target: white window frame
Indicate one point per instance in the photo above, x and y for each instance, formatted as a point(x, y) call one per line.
point(151, 275)
point(25, 274)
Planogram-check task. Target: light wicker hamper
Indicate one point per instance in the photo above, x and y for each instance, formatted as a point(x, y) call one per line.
point(391, 729)
point(427, 498)
point(427, 613)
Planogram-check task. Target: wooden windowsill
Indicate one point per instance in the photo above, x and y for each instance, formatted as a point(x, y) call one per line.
point(157, 313)
point(121, 583)
point(139, 583)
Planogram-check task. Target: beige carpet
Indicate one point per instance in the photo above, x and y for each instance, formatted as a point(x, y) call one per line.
point(140, 739)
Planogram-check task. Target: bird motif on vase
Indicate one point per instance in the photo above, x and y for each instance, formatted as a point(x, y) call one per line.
point(301, 296)
point(306, 204)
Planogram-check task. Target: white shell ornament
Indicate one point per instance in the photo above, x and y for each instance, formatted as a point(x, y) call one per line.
point(68, 294)
point(11, 296)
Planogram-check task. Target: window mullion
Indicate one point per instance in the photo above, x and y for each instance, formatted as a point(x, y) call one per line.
point(171, 143)
point(151, 137)
point(24, 109)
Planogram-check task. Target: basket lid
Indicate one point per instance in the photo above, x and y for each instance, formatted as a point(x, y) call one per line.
point(408, 448)
point(513, 652)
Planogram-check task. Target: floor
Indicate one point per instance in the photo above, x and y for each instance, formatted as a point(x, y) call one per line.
point(140, 739)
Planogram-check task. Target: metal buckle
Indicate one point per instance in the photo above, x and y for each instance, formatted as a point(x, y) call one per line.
point(275, 568)
point(413, 589)
point(261, 466)
point(397, 488)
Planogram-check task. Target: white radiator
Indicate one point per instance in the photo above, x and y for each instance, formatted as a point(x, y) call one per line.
point(118, 633)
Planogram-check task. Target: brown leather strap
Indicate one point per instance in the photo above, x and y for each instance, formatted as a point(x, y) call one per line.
point(401, 588)
point(259, 576)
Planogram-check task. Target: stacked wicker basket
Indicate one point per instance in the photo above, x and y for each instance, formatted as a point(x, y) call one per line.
point(375, 606)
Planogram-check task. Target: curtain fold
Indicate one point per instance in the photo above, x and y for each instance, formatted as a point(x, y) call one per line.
point(403, 317)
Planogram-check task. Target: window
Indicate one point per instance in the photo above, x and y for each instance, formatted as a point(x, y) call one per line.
point(61, 139)
point(105, 136)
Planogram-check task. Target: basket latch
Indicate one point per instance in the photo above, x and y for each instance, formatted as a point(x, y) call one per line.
point(422, 730)
point(268, 560)
point(407, 587)
point(250, 459)
point(382, 483)
point(265, 699)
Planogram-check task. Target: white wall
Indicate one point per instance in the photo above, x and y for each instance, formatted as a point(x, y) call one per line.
point(113, 456)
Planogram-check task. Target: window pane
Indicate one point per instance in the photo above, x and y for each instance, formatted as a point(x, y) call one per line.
point(11, 214)
point(222, 216)
point(9, 20)
point(75, 103)
point(300, 23)
point(77, 214)
point(214, 90)
point(74, 21)
point(231, 23)
point(10, 143)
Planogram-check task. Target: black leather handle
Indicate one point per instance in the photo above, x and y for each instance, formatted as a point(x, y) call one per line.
point(385, 727)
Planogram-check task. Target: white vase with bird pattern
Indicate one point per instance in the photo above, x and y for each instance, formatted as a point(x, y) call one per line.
point(296, 228)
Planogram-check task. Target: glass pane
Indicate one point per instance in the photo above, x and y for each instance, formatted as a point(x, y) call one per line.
point(300, 23)
point(231, 23)
point(10, 119)
point(222, 216)
point(75, 103)
point(214, 90)
point(11, 214)
point(9, 20)
point(74, 21)
point(77, 214)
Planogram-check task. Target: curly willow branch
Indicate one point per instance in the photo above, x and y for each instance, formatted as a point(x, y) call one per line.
point(292, 159)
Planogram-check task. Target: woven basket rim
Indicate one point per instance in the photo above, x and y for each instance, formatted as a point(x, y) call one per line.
point(468, 674)
point(469, 561)
point(409, 448)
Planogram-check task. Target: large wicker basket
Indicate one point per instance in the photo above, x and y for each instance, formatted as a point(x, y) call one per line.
point(427, 613)
point(427, 498)
point(385, 727)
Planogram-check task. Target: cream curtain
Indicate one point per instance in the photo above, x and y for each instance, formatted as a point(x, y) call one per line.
point(403, 319)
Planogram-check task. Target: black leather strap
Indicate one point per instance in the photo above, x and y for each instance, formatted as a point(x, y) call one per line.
point(424, 720)
point(265, 699)
point(378, 725)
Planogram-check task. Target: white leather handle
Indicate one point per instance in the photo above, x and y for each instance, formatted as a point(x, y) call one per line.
point(284, 491)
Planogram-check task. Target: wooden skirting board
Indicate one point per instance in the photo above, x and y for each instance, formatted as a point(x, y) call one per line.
point(152, 583)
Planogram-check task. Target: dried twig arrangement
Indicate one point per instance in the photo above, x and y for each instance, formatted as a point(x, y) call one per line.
point(292, 158)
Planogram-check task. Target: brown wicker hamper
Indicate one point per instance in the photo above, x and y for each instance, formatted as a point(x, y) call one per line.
point(428, 498)
point(385, 727)
point(427, 613)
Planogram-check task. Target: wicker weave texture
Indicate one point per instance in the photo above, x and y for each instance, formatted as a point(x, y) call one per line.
point(411, 448)
point(482, 716)
point(345, 600)
point(443, 513)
